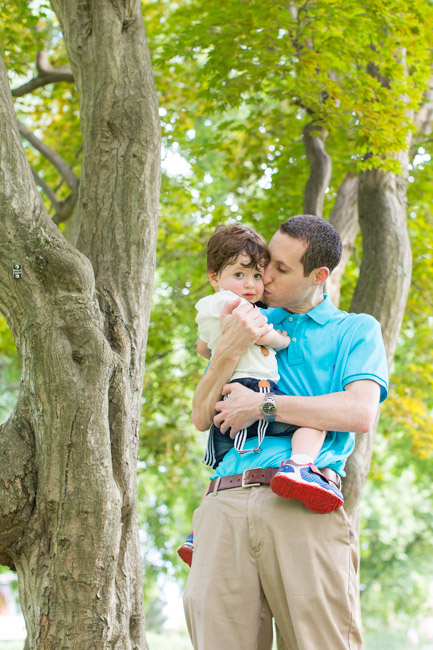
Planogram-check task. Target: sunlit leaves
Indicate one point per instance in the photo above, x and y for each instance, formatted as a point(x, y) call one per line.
point(20, 35)
point(396, 546)
point(360, 68)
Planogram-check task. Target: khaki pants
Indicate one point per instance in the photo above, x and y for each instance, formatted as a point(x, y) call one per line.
point(255, 554)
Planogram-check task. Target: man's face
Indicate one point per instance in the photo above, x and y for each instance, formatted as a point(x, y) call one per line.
point(284, 280)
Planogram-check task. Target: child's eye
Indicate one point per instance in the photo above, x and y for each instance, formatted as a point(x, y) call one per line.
point(257, 276)
point(239, 274)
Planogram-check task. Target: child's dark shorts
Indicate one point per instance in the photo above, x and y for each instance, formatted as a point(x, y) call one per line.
point(223, 443)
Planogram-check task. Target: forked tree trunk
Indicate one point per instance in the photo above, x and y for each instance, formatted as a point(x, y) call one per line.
point(68, 516)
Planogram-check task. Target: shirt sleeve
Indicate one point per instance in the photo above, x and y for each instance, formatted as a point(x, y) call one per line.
point(366, 358)
point(208, 315)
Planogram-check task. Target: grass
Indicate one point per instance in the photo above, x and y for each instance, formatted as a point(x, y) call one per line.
point(379, 640)
point(179, 640)
point(175, 640)
point(169, 639)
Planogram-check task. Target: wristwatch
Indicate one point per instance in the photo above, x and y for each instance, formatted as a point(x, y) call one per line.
point(269, 407)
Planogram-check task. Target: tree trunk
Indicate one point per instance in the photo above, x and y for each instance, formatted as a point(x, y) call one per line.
point(79, 316)
point(382, 287)
point(344, 218)
point(320, 169)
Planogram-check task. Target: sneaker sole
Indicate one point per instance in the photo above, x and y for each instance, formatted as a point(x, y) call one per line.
point(314, 497)
point(185, 554)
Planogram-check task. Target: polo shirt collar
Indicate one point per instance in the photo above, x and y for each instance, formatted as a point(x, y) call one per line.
point(323, 312)
point(320, 314)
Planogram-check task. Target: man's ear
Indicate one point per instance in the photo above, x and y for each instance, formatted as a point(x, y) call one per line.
point(321, 275)
point(213, 279)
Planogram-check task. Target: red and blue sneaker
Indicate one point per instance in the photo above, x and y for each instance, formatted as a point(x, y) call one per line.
point(308, 484)
point(186, 550)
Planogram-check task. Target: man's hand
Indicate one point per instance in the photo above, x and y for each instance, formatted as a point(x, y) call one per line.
point(239, 329)
point(242, 327)
point(239, 410)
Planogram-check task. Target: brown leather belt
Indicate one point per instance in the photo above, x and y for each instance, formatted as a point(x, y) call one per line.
point(257, 476)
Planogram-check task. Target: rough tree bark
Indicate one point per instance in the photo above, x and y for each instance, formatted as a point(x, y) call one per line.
point(79, 315)
point(382, 287)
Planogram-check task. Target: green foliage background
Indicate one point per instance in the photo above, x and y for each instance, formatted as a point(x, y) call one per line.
point(238, 81)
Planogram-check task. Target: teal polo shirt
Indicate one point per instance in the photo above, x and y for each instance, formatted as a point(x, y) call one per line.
point(329, 349)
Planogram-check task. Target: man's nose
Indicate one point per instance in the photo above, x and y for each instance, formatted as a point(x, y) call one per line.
point(267, 276)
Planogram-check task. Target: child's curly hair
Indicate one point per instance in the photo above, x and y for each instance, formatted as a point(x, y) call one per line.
point(228, 242)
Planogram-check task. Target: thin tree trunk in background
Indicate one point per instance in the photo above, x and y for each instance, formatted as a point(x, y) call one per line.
point(382, 287)
point(344, 218)
point(320, 169)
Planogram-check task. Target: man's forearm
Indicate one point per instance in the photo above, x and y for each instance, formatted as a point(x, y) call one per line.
point(348, 410)
point(209, 388)
point(353, 409)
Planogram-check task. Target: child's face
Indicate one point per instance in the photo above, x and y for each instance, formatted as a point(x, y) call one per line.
point(244, 281)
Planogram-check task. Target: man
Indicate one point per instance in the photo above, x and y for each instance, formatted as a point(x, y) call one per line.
point(254, 551)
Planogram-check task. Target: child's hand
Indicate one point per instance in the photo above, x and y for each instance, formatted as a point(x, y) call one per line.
point(283, 340)
point(274, 339)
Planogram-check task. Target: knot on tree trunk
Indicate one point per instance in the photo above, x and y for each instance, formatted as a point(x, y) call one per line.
point(17, 485)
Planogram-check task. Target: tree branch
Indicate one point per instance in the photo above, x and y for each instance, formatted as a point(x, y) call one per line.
point(424, 117)
point(39, 82)
point(44, 67)
point(52, 156)
point(320, 169)
point(48, 74)
point(65, 208)
point(46, 188)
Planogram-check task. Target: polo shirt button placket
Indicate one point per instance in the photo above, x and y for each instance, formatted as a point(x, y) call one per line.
point(294, 353)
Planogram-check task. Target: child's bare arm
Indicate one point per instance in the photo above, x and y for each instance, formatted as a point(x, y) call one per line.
point(203, 349)
point(274, 339)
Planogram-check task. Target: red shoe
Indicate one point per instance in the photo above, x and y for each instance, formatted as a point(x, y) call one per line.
point(306, 483)
point(186, 551)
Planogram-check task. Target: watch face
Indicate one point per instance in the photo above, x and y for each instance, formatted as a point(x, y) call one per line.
point(268, 408)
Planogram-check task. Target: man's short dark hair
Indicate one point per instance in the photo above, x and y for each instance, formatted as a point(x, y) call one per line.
point(228, 242)
point(324, 243)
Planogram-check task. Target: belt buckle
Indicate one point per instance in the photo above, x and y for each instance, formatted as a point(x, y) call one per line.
point(250, 469)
